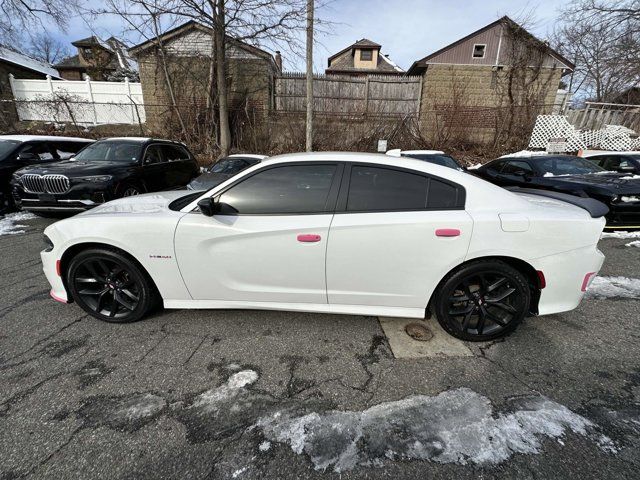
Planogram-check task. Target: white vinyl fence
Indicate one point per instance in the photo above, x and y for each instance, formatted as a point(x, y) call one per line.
point(83, 102)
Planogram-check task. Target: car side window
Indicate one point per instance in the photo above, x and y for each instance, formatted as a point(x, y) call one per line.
point(494, 167)
point(600, 161)
point(153, 155)
point(41, 150)
point(66, 150)
point(229, 166)
point(517, 167)
point(175, 153)
point(382, 189)
point(282, 190)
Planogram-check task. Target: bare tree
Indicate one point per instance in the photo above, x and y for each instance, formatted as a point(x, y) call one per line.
point(46, 48)
point(603, 40)
point(18, 16)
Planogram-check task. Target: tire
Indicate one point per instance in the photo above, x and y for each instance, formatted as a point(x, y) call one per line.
point(111, 287)
point(128, 190)
point(482, 300)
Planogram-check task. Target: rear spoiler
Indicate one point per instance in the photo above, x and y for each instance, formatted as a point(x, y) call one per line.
point(594, 207)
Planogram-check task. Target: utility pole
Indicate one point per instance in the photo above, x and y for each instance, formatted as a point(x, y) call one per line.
point(309, 75)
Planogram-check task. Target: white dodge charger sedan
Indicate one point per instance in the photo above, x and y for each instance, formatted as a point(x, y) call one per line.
point(347, 233)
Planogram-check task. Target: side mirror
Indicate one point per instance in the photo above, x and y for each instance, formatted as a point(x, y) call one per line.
point(208, 206)
point(27, 157)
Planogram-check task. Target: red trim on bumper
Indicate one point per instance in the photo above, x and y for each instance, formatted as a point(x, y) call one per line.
point(56, 298)
point(58, 268)
point(587, 280)
point(542, 282)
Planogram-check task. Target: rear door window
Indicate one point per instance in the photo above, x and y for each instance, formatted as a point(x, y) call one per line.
point(42, 150)
point(517, 167)
point(175, 153)
point(153, 155)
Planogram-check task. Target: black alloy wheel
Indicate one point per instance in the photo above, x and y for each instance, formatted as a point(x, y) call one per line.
point(482, 301)
point(110, 287)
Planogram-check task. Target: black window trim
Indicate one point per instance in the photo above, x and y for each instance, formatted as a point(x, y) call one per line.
point(341, 207)
point(329, 206)
point(144, 153)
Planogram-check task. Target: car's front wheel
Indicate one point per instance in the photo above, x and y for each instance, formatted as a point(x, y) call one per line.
point(110, 287)
point(482, 300)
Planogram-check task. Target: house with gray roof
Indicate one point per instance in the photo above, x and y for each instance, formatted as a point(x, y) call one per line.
point(362, 58)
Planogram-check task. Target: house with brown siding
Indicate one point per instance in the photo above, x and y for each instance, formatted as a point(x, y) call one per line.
point(185, 52)
point(485, 78)
point(362, 58)
point(98, 59)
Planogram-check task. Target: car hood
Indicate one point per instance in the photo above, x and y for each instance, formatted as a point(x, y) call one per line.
point(208, 180)
point(76, 168)
point(617, 183)
point(138, 204)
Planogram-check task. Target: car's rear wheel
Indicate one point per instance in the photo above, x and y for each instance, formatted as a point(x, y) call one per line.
point(110, 287)
point(482, 300)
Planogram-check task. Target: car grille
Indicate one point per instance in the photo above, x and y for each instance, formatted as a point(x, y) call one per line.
point(45, 183)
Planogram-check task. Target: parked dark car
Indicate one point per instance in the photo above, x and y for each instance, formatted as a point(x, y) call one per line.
point(573, 175)
point(623, 162)
point(107, 169)
point(18, 151)
point(224, 169)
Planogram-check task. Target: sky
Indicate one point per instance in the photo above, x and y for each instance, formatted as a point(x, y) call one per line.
point(407, 29)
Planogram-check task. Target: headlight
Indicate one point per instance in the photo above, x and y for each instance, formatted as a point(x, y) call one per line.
point(47, 243)
point(97, 178)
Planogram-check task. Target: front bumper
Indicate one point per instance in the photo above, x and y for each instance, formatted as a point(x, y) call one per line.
point(77, 199)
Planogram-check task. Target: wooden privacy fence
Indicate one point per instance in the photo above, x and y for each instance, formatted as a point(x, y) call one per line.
point(596, 115)
point(333, 94)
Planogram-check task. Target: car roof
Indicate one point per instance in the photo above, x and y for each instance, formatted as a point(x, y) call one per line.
point(536, 157)
point(49, 138)
point(248, 155)
point(591, 153)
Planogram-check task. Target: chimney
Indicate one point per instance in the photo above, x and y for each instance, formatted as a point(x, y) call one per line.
point(278, 60)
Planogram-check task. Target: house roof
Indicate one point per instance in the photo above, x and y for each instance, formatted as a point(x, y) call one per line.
point(362, 43)
point(137, 50)
point(419, 65)
point(117, 48)
point(27, 62)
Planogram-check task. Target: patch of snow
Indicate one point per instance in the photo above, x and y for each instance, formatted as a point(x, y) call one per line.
point(525, 153)
point(475, 166)
point(239, 472)
point(211, 399)
point(9, 223)
point(635, 243)
point(620, 234)
point(635, 177)
point(630, 198)
point(457, 426)
point(264, 446)
point(614, 287)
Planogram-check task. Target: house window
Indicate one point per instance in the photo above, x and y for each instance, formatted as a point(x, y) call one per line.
point(478, 50)
point(366, 55)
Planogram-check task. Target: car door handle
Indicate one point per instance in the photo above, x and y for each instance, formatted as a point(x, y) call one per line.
point(309, 238)
point(447, 232)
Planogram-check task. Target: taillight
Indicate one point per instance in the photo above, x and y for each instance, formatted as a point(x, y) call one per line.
point(588, 278)
point(542, 282)
point(58, 268)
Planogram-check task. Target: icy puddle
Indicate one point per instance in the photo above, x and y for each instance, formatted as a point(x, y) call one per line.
point(614, 287)
point(457, 426)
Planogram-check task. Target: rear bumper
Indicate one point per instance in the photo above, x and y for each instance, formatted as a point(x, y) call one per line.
point(623, 215)
point(58, 291)
point(565, 276)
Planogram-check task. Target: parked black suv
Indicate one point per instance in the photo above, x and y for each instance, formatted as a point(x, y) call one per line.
point(108, 169)
point(18, 151)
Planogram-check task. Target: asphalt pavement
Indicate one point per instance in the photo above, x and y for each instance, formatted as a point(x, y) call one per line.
point(252, 394)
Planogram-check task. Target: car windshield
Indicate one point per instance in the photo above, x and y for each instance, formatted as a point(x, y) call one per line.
point(126, 152)
point(438, 159)
point(230, 165)
point(6, 146)
point(567, 166)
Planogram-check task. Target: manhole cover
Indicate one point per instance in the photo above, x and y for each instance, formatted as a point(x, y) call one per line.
point(418, 332)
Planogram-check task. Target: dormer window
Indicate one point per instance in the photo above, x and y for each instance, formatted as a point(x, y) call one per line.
point(366, 55)
point(478, 50)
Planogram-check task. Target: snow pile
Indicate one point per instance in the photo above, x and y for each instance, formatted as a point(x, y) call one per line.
point(524, 153)
point(614, 287)
point(139, 407)
point(475, 166)
point(630, 198)
point(9, 223)
point(456, 426)
point(620, 234)
point(635, 243)
point(210, 400)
